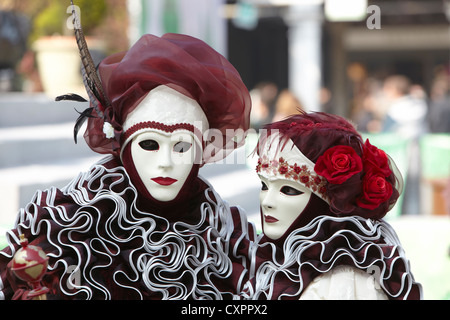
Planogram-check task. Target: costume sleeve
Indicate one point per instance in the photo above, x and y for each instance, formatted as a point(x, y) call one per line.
point(6, 292)
point(344, 283)
point(38, 222)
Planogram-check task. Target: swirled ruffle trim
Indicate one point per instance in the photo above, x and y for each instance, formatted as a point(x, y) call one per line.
point(102, 246)
point(325, 243)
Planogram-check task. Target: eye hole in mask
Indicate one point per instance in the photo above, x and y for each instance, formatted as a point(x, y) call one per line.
point(289, 191)
point(264, 186)
point(149, 145)
point(182, 147)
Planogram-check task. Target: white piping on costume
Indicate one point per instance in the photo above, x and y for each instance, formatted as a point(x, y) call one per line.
point(296, 244)
point(223, 214)
point(391, 237)
point(191, 253)
point(2, 287)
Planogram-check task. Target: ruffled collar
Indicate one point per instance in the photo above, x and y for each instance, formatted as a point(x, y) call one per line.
point(283, 271)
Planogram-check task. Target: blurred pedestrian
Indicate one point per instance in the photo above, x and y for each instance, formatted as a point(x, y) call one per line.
point(439, 113)
point(406, 113)
point(287, 104)
point(406, 117)
point(263, 98)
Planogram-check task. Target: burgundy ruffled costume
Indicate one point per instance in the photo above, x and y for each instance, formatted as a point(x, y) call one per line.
point(340, 232)
point(105, 236)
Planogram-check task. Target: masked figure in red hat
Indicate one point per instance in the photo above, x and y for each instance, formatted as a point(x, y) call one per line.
point(323, 198)
point(141, 223)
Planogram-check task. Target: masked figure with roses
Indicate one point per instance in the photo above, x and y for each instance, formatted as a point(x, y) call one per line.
point(323, 197)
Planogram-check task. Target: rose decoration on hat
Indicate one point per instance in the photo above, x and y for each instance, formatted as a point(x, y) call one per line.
point(108, 130)
point(376, 189)
point(344, 169)
point(338, 164)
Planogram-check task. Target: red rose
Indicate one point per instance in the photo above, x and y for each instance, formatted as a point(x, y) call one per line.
point(374, 158)
point(338, 164)
point(376, 190)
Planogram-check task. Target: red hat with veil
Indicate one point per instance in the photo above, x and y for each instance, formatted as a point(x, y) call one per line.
point(183, 63)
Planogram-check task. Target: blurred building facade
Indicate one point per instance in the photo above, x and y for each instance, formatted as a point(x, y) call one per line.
point(311, 45)
point(331, 55)
point(202, 19)
point(318, 49)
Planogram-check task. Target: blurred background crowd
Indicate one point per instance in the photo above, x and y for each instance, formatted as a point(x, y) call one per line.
point(384, 64)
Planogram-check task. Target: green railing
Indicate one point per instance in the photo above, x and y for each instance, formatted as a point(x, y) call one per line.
point(435, 154)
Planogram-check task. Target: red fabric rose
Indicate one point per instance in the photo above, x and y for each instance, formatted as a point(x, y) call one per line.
point(338, 164)
point(375, 158)
point(376, 190)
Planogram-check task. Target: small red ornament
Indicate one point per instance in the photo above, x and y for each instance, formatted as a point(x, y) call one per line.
point(30, 264)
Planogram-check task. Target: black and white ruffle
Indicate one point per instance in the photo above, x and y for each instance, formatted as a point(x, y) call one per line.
point(102, 246)
point(325, 243)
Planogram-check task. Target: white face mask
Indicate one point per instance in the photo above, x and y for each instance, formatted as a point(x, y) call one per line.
point(163, 161)
point(282, 201)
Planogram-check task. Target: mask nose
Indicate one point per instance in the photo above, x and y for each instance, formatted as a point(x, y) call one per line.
point(268, 200)
point(165, 160)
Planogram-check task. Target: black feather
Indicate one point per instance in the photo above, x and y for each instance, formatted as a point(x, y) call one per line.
point(91, 79)
point(81, 119)
point(70, 97)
